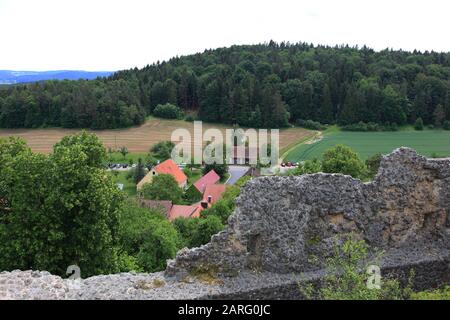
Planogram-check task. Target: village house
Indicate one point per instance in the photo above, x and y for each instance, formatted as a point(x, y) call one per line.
point(213, 193)
point(166, 167)
point(210, 178)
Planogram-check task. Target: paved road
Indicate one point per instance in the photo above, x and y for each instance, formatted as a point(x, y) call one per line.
point(235, 173)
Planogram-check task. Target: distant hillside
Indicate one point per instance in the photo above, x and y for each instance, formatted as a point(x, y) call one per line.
point(13, 77)
point(268, 85)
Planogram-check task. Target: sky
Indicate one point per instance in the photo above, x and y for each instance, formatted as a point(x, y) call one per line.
point(113, 35)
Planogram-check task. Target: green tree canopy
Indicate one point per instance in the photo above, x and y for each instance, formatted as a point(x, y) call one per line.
point(342, 159)
point(163, 187)
point(63, 208)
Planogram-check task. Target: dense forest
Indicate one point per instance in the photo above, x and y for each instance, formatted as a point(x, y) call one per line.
point(266, 85)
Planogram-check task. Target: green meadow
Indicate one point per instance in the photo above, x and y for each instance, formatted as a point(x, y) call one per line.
point(428, 143)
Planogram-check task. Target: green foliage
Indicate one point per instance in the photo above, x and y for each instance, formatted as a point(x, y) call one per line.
point(161, 151)
point(220, 169)
point(186, 229)
point(147, 238)
point(370, 127)
point(162, 187)
point(139, 171)
point(347, 278)
point(342, 159)
point(438, 294)
point(263, 85)
point(123, 151)
point(63, 208)
point(168, 111)
point(308, 167)
point(418, 125)
point(160, 242)
point(373, 164)
point(310, 124)
point(206, 228)
point(446, 125)
point(192, 194)
point(196, 232)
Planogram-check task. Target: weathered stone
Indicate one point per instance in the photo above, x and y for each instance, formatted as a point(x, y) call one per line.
point(279, 224)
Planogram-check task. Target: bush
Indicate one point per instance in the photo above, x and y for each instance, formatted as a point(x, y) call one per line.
point(370, 127)
point(189, 118)
point(196, 232)
point(307, 167)
point(372, 164)
point(438, 294)
point(310, 124)
point(161, 151)
point(418, 125)
point(168, 111)
point(342, 159)
point(347, 278)
point(446, 125)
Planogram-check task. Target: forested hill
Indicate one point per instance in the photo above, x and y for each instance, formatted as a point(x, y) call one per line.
point(265, 85)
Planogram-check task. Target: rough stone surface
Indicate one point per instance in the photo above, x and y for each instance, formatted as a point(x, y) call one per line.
point(278, 225)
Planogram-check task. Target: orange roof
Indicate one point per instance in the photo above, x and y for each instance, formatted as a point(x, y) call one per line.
point(214, 191)
point(184, 211)
point(210, 178)
point(170, 167)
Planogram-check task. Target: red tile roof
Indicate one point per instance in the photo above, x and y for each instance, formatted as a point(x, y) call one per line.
point(170, 167)
point(214, 191)
point(210, 178)
point(184, 211)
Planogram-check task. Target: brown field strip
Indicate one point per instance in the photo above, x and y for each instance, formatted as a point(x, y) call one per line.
point(136, 139)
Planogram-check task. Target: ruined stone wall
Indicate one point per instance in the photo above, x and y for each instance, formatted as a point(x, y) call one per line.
point(279, 224)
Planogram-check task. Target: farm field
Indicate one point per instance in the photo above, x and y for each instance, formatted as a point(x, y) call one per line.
point(137, 139)
point(366, 144)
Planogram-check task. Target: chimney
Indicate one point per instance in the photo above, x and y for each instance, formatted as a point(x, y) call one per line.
point(209, 199)
point(204, 205)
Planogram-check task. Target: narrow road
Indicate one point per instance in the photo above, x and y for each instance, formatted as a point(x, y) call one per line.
point(235, 173)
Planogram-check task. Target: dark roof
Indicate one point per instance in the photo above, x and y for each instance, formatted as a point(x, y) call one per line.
point(162, 205)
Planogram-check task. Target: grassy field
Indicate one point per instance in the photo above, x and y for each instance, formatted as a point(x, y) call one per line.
point(138, 140)
point(427, 142)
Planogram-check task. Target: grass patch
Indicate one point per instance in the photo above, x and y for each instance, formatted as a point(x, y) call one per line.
point(117, 157)
point(129, 187)
point(427, 142)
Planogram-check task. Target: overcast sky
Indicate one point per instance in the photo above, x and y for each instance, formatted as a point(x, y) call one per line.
point(121, 34)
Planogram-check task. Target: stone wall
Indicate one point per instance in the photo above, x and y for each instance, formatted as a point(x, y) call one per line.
point(279, 224)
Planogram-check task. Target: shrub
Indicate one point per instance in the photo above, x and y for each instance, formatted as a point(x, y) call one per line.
point(307, 167)
point(418, 125)
point(372, 164)
point(446, 125)
point(347, 278)
point(310, 124)
point(370, 127)
point(168, 111)
point(342, 159)
point(438, 294)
